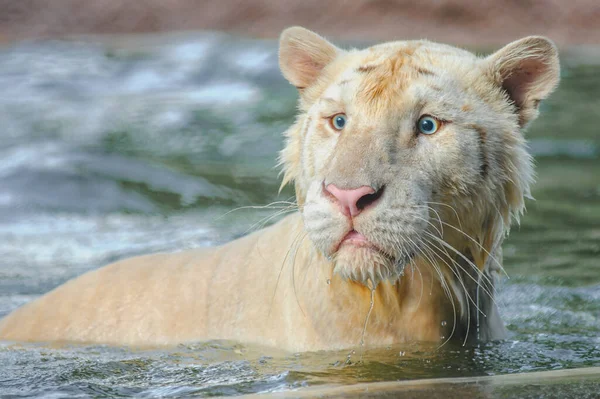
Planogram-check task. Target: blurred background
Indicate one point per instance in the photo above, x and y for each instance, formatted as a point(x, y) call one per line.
point(456, 21)
point(134, 127)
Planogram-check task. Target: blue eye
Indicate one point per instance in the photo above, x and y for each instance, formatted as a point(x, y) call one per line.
point(428, 125)
point(338, 121)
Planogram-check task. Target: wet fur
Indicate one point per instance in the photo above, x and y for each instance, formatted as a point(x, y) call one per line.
point(448, 202)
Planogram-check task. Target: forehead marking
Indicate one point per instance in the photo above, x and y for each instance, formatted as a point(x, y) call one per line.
point(424, 71)
point(386, 78)
point(366, 68)
point(391, 75)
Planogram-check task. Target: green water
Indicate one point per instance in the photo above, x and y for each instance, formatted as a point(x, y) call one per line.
point(109, 151)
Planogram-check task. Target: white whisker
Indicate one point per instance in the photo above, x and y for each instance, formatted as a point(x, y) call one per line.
point(479, 272)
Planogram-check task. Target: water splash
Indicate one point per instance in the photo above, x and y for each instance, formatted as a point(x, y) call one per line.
point(364, 331)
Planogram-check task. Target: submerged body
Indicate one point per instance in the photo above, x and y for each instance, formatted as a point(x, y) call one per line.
point(241, 291)
point(409, 163)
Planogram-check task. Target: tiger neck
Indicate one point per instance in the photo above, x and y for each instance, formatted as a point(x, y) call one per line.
point(413, 308)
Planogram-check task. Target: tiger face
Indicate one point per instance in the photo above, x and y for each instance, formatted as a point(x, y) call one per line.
point(410, 150)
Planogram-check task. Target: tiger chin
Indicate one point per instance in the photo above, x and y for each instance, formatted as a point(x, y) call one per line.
point(409, 164)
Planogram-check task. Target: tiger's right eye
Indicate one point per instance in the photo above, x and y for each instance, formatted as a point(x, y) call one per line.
point(428, 125)
point(339, 121)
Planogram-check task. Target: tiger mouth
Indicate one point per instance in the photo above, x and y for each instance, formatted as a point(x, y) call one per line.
point(357, 240)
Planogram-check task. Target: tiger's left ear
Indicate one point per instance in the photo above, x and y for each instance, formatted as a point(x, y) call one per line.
point(303, 55)
point(528, 70)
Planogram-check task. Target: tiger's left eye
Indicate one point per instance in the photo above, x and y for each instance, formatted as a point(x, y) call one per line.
point(339, 121)
point(428, 124)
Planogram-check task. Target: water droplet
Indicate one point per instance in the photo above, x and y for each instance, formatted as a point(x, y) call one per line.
point(328, 281)
point(348, 361)
point(444, 323)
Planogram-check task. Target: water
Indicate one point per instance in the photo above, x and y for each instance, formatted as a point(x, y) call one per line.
point(135, 145)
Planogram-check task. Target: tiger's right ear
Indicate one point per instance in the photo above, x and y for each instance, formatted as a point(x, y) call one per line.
point(303, 55)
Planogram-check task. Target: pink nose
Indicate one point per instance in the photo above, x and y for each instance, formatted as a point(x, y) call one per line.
point(352, 201)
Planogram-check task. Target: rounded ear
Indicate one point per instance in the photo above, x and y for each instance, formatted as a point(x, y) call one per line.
point(303, 55)
point(528, 70)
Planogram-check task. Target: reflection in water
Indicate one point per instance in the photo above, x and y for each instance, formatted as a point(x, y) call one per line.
point(111, 150)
